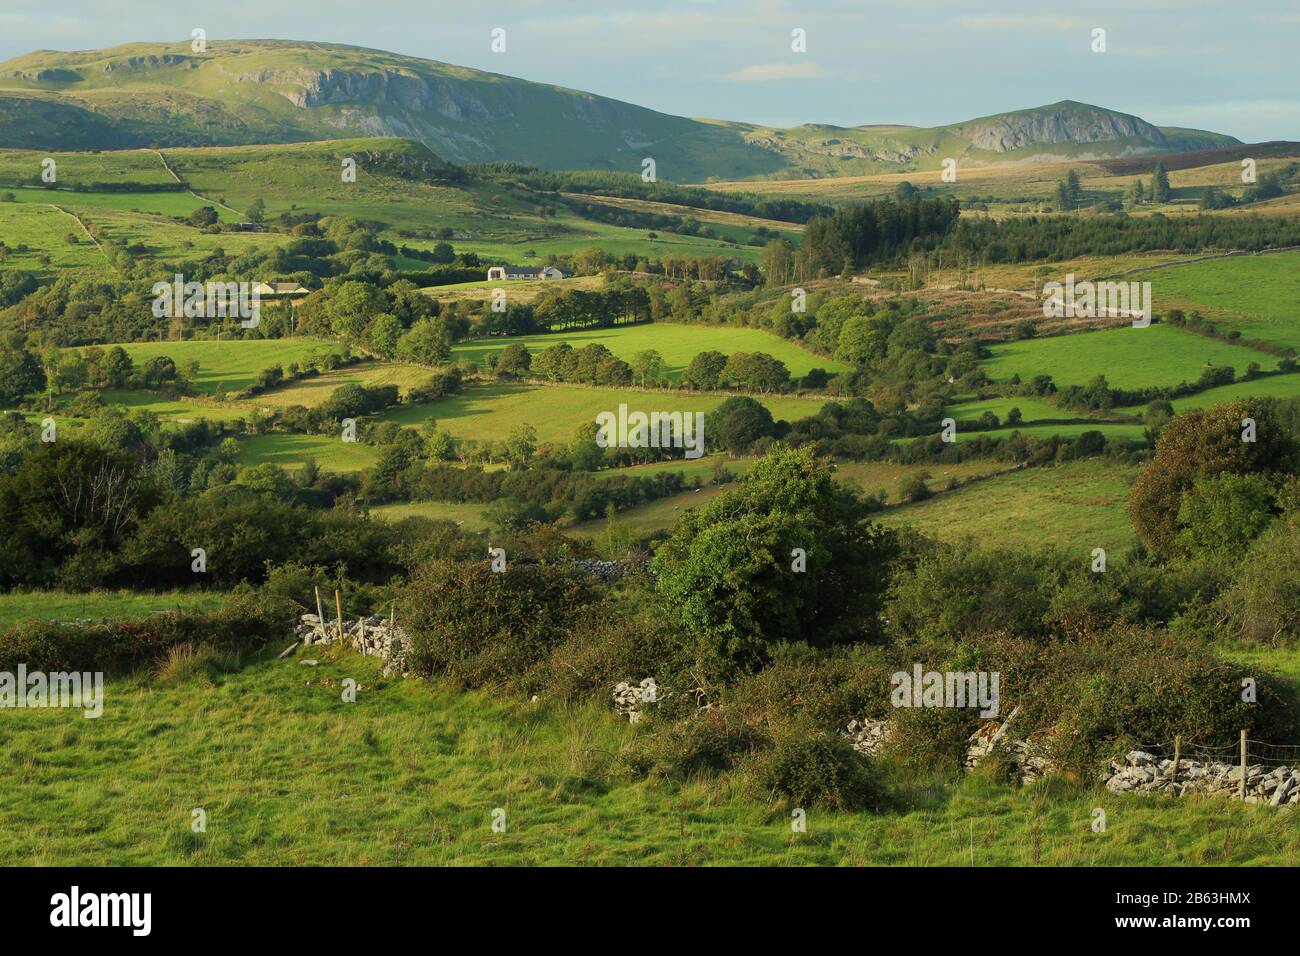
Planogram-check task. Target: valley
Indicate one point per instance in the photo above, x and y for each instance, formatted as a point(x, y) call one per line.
point(907, 460)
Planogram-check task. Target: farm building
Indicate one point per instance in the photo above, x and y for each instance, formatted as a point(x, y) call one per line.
point(518, 272)
point(280, 288)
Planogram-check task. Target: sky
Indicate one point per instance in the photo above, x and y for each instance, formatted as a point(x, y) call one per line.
point(1230, 67)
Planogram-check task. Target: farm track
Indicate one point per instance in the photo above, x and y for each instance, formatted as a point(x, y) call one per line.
point(167, 166)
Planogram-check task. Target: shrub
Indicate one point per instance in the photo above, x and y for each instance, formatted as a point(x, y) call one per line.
point(727, 572)
point(1262, 604)
point(183, 662)
point(954, 593)
point(114, 647)
point(710, 743)
point(478, 626)
point(1109, 690)
point(821, 771)
point(1204, 442)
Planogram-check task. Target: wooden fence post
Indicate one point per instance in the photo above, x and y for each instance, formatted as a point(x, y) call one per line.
point(338, 609)
point(320, 615)
point(1178, 750)
point(1243, 765)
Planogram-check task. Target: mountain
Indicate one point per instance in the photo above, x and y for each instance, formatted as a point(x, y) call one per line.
point(274, 91)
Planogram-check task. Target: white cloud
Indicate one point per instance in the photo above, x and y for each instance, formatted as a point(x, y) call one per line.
point(995, 21)
point(765, 72)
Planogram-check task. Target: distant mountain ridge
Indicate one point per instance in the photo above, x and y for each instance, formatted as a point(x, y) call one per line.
point(274, 91)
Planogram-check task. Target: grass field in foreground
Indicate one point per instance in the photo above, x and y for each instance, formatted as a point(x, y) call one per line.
point(1258, 295)
point(410, 773)
point(491, 412)
point(678, 344)
point(1129, 358)
point(65, 606)
point(1081, 505)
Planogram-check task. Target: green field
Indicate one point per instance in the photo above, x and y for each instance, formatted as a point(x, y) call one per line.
point(469, 515)
point(42, 230)
point(1122, 430)
point(233, 363)
point(1031, 409)
point(159, 203)
point(64, 606)
point(315, 390)
point(288, 774)
point(1259, 295)
point(491, 412)
point(659, 515)
point(870, 478)
point(1080, 505)
point(873, 477)
point(182, 409)
point(1272, 386)
point(330, 452)
point(85, 168)
point(678, 344)
point(1129, 358)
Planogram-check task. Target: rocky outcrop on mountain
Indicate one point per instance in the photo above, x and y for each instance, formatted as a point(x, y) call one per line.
point(1057, 125)
point(324, 90)
point(146, 62)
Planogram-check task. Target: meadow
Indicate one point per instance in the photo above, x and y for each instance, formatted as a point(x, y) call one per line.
point(231, 364)
point(155, 203)
point(870, 478)
point(1079, 505)
point(1272, 386)
point(469, 515)
point(1258, 295)
point(315, 390)
point(292, 451)
point(1031, 409)
point(85, 168)
point(492, 412)
point(411, 773)
point(179, 409)
point(1130, 358)
point(43, 229)
point(678, 344)
point(17, 606)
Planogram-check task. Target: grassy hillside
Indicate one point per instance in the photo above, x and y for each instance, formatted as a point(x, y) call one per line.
point(1081, 505)
point(1128, 357)
point(678, 344)
point(137, 197)
point(1257, 295)
point(231, 364)
point(411, 774)
point(556, 411)
point(250, 91)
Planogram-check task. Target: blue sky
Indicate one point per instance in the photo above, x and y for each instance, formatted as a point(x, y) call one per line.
point(1226, 66)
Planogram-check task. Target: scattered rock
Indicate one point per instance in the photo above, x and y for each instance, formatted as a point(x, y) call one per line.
point(371, 636)
point(632, 700)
